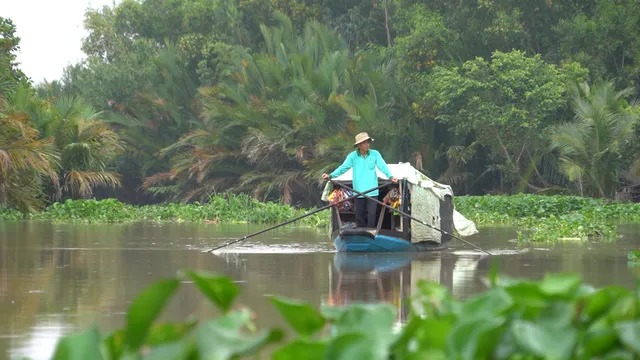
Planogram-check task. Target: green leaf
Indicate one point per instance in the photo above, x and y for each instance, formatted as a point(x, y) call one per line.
point(303, 318)
point(474, 337)
point(506, 347)
point(331, 312)
point(562, 285)
point(428, 334)
point(527, 294)
point(223, 338)
point(350, 346)
point(432, 298)
point(599, 341)
point(169, 332)
point(376, 320)
point(494, 301)
point(556, 315)
point(629, 334)
point(84, 345)
point(618, 355)
point(145, 309)
point(181, 350)
point(114, 344)
point(550, 343)
point(430, 354)
point(602, 301)
point(625, 308)
point(300, 349)
point(220, 290)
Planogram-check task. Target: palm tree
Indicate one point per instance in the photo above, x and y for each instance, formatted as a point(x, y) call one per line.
point(87, 147)
point(25, 163)
point(155, 119)
point(589, 148)
point(287, 114)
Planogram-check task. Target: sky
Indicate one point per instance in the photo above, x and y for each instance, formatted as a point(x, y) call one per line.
point(50, 32)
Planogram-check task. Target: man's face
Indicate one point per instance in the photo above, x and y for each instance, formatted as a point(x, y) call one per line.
point(364, 146)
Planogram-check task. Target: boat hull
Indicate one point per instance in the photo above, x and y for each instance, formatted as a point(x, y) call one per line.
point(372, 241)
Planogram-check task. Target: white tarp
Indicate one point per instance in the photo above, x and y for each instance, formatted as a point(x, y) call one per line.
point(464, 226)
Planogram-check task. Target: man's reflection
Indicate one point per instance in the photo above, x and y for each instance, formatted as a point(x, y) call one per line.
point(373, 278)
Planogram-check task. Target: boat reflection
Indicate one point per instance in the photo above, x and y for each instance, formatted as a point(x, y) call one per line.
point(393, 277)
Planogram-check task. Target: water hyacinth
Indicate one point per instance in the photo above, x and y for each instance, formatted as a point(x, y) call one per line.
point(558, 317)
point(550, 218)
point(220, 209)
point(538, 218)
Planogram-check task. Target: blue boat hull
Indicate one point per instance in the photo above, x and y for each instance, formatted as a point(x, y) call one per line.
point(381, 243)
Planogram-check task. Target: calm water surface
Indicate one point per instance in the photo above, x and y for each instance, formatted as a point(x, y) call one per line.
point(56, 279)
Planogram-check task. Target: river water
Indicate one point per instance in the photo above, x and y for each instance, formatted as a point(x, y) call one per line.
point(56, 279)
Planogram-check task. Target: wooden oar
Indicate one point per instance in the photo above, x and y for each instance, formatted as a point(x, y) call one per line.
point(292, 220)
point(411, 217)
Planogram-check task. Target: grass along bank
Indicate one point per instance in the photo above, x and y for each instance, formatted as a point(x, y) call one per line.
point(550, 218)
point(224, 209)
point(539, 218)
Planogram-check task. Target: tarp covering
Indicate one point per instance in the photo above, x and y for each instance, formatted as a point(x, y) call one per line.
point(463, 226)
point(425, 206)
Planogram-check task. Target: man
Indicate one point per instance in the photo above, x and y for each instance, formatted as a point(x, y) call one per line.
point(364, 162)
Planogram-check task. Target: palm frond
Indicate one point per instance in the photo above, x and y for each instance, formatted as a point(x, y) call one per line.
point(80, 184)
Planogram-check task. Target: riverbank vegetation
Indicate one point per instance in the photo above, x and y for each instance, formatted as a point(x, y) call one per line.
point(538, 218)
point(558, 317)
point(219, 209)
point(550, 218)
point(182, 99)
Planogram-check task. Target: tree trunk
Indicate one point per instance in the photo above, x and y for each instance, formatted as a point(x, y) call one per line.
point(386, 24)
point(286, 197)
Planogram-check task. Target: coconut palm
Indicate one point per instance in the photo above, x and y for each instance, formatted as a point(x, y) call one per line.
point(589, 147)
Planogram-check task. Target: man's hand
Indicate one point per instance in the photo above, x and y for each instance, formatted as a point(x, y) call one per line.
point(326, 176)
point(394, 180)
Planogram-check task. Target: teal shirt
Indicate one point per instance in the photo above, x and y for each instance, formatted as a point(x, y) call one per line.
point(364, 170)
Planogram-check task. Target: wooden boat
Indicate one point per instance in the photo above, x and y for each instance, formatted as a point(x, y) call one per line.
point(393, 232)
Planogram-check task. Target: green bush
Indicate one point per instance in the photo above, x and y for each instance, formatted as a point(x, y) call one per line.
point(558, 317)
point(227, 209)
point(538, 218)
point(9, 214)
point(550, 218)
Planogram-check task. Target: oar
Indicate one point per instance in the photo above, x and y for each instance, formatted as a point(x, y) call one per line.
point(292, 220)
point(412, 218)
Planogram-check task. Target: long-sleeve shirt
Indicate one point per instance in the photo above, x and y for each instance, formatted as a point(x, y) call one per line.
point(364, 170)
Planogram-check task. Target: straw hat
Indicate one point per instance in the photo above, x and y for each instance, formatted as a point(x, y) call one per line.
point(362, 137)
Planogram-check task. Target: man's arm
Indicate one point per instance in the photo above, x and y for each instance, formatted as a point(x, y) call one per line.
point(346, 165)
point(382, 165)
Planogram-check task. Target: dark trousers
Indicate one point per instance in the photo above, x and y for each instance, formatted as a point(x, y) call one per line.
point(370, 207)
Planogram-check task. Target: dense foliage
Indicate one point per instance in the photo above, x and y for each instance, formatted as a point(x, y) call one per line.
point(181, 99)
point(558, 317)
point(219, 209)
point(551, 218)
point(538, 218)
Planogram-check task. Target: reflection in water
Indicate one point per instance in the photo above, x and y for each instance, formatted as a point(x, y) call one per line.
point(393, 278)
point(57, 279)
